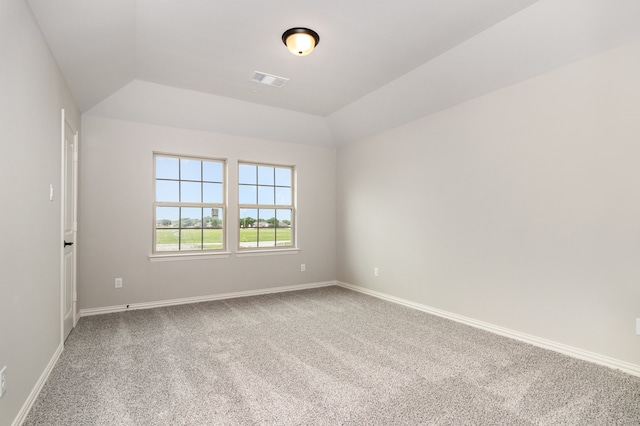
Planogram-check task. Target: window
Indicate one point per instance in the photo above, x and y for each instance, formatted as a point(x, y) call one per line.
point(189, 204)
point(265, 203)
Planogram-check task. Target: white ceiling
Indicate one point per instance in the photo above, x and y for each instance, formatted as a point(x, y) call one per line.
point(378, 64)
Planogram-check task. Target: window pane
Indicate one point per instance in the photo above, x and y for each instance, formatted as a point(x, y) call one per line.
point(248, 228)
point(166, 168)
point(191, 217)
point(212, 193)
point(248, 237)
point(190, 169)
point(266, 228)
point(283, 237)
point(247, 174)
point(283, 176)
point(212, 171)
point(167, 190)
point(284, 218)
point(213, 218)
point(191, 239)
point(247, 194)
point(167, 239)
point(248, 218)
point(167, 217)
point(212, 239)
point(267, 237)
point(283, 230)
point(267, 215)
point(191, 192)
point(265, 175)
point(283, 196)
point(266, 195)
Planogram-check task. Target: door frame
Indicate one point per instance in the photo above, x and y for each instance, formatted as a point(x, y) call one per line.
point(66, 122)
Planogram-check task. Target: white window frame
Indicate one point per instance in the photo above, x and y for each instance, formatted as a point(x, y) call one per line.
point(222, 206)
point(292, 207)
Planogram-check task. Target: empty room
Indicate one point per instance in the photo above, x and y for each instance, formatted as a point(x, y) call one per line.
point(357, 212)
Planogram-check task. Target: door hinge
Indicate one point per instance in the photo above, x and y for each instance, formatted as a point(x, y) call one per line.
point(75, 227)
point(75, 296)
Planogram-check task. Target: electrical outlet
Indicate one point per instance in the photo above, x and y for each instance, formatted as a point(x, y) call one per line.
point(118, 282)
point(375, 272)
point(3, 380)
point(638, 326)
point(303, 267)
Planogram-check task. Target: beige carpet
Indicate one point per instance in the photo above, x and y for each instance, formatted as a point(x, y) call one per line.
point(322, 356)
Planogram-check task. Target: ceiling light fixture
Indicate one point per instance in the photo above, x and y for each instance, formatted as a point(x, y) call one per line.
point(300, 41)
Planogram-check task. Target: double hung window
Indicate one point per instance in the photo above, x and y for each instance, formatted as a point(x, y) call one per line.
point(265, 206)
point(189, 207)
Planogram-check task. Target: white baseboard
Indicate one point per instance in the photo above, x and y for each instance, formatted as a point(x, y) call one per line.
point(26, 407)
point(523, 337)
point(198, 299)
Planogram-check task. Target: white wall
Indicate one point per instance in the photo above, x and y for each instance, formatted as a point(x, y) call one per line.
point(519, 208)
point(541, 37)
point(33, 93)
point(145, 102)
point(116, 198)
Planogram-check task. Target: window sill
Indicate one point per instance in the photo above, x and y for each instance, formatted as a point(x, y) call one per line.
point(267, 252)
point(188, 256)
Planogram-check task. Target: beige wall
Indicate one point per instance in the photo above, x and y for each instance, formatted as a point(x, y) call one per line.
point(33, 93)
point(520, 208)
point(115, 229)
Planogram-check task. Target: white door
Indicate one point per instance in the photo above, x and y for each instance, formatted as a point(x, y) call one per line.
point(69, 195)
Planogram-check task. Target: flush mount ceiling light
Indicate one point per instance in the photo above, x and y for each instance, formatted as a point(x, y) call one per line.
point(300, 41)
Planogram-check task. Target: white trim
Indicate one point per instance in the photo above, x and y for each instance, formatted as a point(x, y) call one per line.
point(188, 256)
point(62, 236)
point(198, 299)
point(267, 252)
point(63, 195)
point(28, 404)
point(76, 177)
point(571, 351)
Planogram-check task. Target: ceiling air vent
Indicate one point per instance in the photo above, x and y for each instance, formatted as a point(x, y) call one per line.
point(268, 79)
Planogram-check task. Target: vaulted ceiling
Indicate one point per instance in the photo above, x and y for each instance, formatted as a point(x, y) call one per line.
point(378, 64)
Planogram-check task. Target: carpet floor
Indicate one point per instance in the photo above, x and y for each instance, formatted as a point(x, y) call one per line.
point(319, 356)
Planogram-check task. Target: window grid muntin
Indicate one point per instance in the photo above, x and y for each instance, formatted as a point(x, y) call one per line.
point(257, 207)
point(181, 204)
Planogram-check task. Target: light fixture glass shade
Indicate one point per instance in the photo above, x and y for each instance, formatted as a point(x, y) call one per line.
point(300, 44)
point(300, 41)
